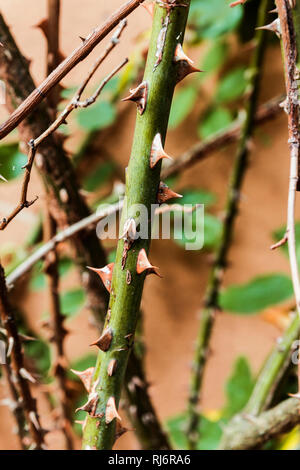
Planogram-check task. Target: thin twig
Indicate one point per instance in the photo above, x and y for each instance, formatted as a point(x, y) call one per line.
point(212, 294)
point(73, 104)
point(21, 375)
point(292, 107)
point(58, 334)
point(250, 433)
point(66, 66)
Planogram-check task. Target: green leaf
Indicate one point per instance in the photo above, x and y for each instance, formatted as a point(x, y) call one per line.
point(214, 121)
point(11, 161)
point(99, 176)
point(183, 103)
point(238, 387)
point(232, 86)
point(72, 301)
point(210, 432)
point(39, 352)
point(214, 18)
point(216, 56)
point(98, 116)
point(196, 196)
point(256, 295)
point(38, 279)
point(212, 233)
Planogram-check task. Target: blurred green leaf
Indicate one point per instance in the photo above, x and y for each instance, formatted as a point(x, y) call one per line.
point(183, 103)
point(98, 116)
point(39, 352)
point(215, 120)
point(215, 56)
point(238, 388)
point(72, 301)
point(214, 18)
point(38, 279)
point(111, 257)
point(232, 86)
point(209, 431)
point(212, 233)
point(11, 161)
point(256, 295)
point(196, 196)
point(99, 176)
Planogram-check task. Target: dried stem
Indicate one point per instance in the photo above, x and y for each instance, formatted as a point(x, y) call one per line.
point(251, 433)
point(292, 106)
point(212, 295)
point(73, 104)
point(58, 334)
point(142, 180)
point(60, 179)
point(21, 375)
point(53, 54)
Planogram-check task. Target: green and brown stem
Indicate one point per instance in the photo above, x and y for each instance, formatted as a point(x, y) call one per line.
point(212, 294)
point(59, 178)
point(142, 183)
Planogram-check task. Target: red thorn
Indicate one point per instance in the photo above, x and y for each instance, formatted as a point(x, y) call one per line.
point(104, 341)
point(186, 66)
point(165, 193)
point(274, 27)
point(143, 264)
point(157, 151)
point(111, 411)
point(91, 405)
point(139, 96)
point(85, 377)
point(105, 274)
point(237, 2)
point(150, 9)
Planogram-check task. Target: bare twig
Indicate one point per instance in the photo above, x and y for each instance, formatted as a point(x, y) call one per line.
point(58, 334)
point(68, 64)
point(34, 143)
point(53, 54)
point(249, 434)
point(21, 375)
point(292, 106)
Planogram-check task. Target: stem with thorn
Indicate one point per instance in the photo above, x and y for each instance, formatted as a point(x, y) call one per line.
point(21, 375)
point(289, 46)
point(212, 294)
point(59, 177)
point(252, 433)
point(142, 183)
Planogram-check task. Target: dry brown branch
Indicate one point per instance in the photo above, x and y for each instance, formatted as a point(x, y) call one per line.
point(21, 375)
point(80, 53)
point(53, 54)
point(73, 104)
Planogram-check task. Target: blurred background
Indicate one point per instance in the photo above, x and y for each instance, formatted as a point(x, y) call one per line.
point(219, 40)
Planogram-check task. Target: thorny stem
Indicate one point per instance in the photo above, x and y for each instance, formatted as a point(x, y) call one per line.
point(58, 333)
point(267, 381)
point(251, 433)
point(80, 53)
point(17, 360)
point(292, 106)
point(68, 207)
point(53, 54)
point(74, 104)
point(212, 294)
point(142, 184)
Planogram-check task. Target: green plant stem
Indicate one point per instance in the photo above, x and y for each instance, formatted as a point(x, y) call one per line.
point(142, 184)
point(252, 433)
point(273, 370)
point(58, 174)
point(212, 293)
